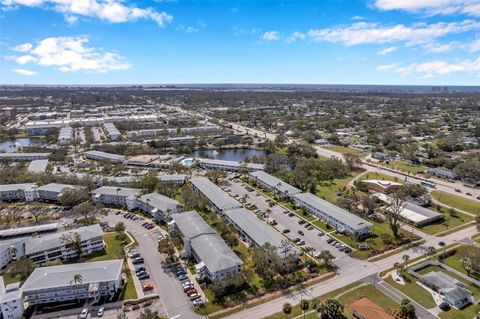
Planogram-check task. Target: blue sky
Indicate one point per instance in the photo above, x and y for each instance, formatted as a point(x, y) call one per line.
point(321, 42)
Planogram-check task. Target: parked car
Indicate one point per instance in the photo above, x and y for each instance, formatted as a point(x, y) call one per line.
point(301, 232)
point(191, 292)
point(147, 287)
point(138, 260)
point(286, 230)
point(321, 233)
point(198, 302)
point(285, 211)
point(143, 276)
point(134, 254)
point(301, 222)
point(291, 214)
point(84, 313)
point(145, 224)
point(150, 226)
point(296, 240)
point(458, 190)
point(118, 212)
point(140, 269)
point(182, 277)
point(100, 312)
point(444, 306)
point(329, 240)
point(194, 296)
point(301, 243)
point(188, 287)
point(310, 227)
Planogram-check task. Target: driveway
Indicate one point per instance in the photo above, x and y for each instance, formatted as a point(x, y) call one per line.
point(174, 302)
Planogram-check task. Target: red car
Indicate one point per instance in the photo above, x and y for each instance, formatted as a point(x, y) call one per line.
point(191, 292)
point(150, 226)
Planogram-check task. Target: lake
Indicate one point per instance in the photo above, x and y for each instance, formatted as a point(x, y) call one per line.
point(235, 154)
point(18, 143)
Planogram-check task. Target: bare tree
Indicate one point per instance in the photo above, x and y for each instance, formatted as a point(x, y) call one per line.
point(395, 206)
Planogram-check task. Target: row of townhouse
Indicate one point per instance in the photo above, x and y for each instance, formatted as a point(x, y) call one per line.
point(257, 233)
point(112, 131)
point(214, 259)
point(230, 166)
point(158, 206)
point(333, 215)
point(29, 192)
point(274, 185)
point(170, 131)
point(220, 200)
point(54, 284)
point(23, 157)
point(65, 135)
point(104, 157)
point(53, 246)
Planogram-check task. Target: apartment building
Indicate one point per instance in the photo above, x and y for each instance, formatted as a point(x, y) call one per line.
point(215, 260)
point(333, 215)
point(181, 140)
point(53, 191)
point(112, 132)
point(48, 285)
point(5, 254)
point(11, 301)
point(274, 185)
point(230, 166)
point(23, 157)
point(175, 179)
point(220, 200)
point(65, 136)
point(257, 233)
point(54, 246)
point(104, 157)
point(158, 206)
point(442, 173)
point(24, 192)
point(117, 196)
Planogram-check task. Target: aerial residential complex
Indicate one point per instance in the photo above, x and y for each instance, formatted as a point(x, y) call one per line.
point(273, 184)
point(214, 258)
point(217, 198)
point(229, 165)
point(117, 196)
point(333, 215)
point(102, 156)
point(158, 206)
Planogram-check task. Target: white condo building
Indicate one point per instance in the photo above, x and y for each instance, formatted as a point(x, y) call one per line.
point(117, 196)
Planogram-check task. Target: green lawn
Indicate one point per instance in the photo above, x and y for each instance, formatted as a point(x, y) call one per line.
point(458, 202)
point(405, 167)
point(328, 190)
point(130, 291)
point(113, 250)
point(414, 291)
point(342, 149)
point(380, 176)
point(465, 313)
point(447, 223)
point(454, 262)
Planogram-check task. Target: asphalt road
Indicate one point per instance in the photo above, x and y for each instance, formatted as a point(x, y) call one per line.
point(173, 300)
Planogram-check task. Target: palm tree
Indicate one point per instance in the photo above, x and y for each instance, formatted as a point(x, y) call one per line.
point(77, 278)
point(406, 259)
point(304, 305)
point(287, 309)
point(327, 257)
point(431, 252)
point(331, 308)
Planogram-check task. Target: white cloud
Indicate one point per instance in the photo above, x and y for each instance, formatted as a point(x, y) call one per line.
point(475, 46)
point(296, 36)
point(24, 72)
point(114, 11)
point(191, 29)
point(434, 47)
point(271, 36)
point(434, 68)
point(25, 47)
point(387, 50)
point(367, 33)
point(69, 54)
point(432, 7)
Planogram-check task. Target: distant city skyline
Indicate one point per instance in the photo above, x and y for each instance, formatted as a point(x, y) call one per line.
point(378, 42)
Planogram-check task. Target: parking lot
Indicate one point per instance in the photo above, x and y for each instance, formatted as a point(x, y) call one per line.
point(174, 301)
point(283, 220)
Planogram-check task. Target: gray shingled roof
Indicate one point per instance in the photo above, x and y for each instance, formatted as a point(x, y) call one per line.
point(256, 229)
point(276, 183)
point(162, 203)
point(230, 163)
point(38, 166)
point(120, 191)
point(55, 187)
point(208, 245)
point(334, 211)
point(217, 196)
point(61, 276)
point(106, 155)
point(45, 242)
point(15, 187)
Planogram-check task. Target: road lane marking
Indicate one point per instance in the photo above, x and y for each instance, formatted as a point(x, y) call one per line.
point(177, 316)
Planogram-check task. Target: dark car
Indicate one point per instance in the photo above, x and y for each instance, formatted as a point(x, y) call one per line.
point(301, 222)
point(140, 269)
point(118, 213)
point(291, 214)
point(286, 230)
point(143, 276)
point(301, 232)
point(444, 306)
point(321, 233)
point(441, 243)
point(138, 260)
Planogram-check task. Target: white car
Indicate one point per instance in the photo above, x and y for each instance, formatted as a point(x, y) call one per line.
point(84, 313)
point(100, 312)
